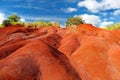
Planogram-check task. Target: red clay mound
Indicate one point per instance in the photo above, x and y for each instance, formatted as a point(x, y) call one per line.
point(51, 53)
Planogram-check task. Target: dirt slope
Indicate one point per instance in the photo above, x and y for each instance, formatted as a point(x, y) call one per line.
point(51, 53)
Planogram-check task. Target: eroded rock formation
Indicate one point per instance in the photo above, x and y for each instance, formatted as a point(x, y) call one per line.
point(51, 53)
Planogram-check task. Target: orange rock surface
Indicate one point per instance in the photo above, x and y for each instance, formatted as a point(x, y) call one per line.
point(51, 53)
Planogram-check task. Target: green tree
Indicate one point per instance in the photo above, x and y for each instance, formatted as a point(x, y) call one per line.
point(29, 24)
point(56, 24)
point(6, 23)
point(1, 26)
point(48, 24)
point(113, 26)
point(42, 24)
point(74, 21)
point(14, 18)
point(39, 24)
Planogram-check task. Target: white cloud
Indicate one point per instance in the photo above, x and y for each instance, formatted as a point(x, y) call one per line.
point(95, 20)
point(112, 18)
point(104, 14)
point(45, 18)
point(69, 10)
point(29, 6)
point(2, 17)
point(105, 19)
point(71, 1)
point(117, 12)
point(62, 26)
point(104, 24)
point(111, 4)
point(22, 19)
point(91, 19)
point(91, 5)
point(95, 6)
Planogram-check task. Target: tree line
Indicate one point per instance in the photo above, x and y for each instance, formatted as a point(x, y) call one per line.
point(70, 22)
point(15, 19)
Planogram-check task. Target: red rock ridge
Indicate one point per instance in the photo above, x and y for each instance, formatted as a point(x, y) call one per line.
point(50, 53)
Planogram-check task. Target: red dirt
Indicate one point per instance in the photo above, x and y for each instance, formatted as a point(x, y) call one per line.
point(51, 53)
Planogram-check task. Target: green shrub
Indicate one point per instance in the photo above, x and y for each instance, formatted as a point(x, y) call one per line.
point(1, 26)
point(6, 23)
point(113, 26)
point(14, 18)
point(38, 24)
point(74, 21)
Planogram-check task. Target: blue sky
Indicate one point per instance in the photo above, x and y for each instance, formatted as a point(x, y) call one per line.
point(96, 12)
